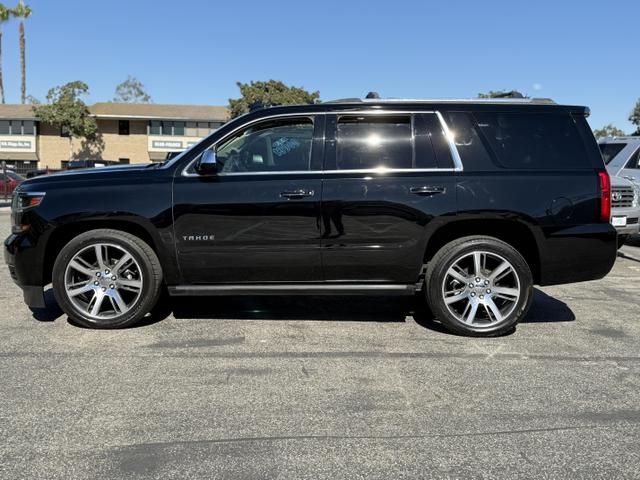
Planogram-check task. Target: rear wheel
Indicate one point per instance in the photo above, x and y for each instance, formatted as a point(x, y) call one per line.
point(479, 286)
point(106, 279)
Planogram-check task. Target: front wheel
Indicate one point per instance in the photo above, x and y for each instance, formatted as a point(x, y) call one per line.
point(106, 279)
point(479, 286)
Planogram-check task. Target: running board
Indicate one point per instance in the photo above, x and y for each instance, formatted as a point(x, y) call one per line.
point(292, 289)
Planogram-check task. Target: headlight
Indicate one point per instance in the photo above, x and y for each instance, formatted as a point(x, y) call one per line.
point(22, 201)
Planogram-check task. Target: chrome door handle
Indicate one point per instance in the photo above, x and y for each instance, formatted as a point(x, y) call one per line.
point(294, 194)
point(427, 190)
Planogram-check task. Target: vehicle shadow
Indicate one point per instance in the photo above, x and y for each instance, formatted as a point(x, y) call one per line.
point(544, 309)
point(547, 309)
point(53, 312)
point(314, 308)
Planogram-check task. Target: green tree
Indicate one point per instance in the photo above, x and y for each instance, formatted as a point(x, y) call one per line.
point(131, 91)
point(22, 12)
point(66, 110)
point(5, 15)
point(635, 117)
point(502, 94)
point(609, 130)
point(272, 92)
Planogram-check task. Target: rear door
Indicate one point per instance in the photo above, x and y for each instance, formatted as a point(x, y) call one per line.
point(387, 176)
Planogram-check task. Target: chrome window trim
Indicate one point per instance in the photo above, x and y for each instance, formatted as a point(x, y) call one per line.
point(458, 167)
point(457, 161)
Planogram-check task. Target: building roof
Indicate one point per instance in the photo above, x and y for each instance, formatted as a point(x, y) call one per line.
point(159, 111)
point(143, 111)
point(17, 112)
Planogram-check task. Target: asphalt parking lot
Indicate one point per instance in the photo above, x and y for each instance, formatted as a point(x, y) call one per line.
point(325, 388)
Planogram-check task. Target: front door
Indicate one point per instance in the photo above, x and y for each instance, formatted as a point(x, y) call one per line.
point(387, 176)
point(257, 220)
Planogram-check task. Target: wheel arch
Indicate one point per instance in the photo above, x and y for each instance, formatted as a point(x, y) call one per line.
point(516, 233)
point(62, 234)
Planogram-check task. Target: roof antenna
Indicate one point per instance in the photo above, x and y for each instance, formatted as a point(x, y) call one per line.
point(373, 95)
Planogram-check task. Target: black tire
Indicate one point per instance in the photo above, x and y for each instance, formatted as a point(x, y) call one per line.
point(150, 276)
point(497, 251)
point(622, 239)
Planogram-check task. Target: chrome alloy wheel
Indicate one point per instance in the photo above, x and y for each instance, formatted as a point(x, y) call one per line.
point(481, 289)
point(103, 281)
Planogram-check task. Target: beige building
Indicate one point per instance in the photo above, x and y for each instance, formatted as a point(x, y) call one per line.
point(127, 133)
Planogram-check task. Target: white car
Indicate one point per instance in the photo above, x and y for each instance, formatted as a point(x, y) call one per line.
point(622, 158)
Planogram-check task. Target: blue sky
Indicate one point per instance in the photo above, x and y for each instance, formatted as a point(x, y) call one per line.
point(193, 52)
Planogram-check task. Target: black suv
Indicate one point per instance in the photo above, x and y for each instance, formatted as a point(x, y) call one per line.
point(469, 203)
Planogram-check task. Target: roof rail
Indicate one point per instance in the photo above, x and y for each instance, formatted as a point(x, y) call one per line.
point(344, 100)
point(443, 100)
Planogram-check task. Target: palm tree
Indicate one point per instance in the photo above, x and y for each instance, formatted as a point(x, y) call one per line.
point(22, 12)
point(5, 15)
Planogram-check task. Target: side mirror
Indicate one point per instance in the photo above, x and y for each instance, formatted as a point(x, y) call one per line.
point(208, 163)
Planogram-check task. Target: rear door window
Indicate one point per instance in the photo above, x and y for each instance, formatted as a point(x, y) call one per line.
point(370, 142)
point(534, 141)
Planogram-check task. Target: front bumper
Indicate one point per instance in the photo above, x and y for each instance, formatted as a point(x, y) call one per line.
point(14, 248)
point(628, 216)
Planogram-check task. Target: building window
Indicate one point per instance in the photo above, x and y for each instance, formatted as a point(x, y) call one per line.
point(154, 127)
point(203, 129)
point(123, 127)
point(167, 128)
point(5, 127)
point(28, 127)
point(191, 129)
point(124, 161)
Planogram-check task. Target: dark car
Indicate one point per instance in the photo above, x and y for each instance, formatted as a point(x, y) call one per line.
point(469, 203)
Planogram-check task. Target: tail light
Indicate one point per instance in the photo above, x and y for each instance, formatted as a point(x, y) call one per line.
point(605, 197)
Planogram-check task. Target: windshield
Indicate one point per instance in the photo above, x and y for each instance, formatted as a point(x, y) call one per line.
point(610, 150)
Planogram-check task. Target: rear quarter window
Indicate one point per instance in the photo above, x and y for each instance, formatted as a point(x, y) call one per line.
point(540, 141)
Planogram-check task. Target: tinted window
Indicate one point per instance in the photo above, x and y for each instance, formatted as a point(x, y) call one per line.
point(473, 152)
point(274, 146)
point(610, 150)
point(374, 142)
point(540, 141)
point(4, 127)
point(154, 128)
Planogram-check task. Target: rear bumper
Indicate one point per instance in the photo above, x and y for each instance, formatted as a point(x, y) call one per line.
point(578, 254)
